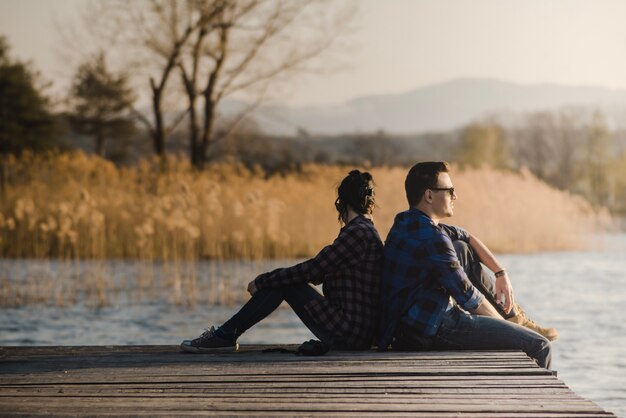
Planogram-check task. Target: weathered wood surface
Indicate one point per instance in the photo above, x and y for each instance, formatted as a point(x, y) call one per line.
point(161, 380)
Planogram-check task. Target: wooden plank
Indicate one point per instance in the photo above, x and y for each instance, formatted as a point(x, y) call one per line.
point(407, 397)
point(294, 370)
point(160, 380)
point(215, 405)
point(243, 349)
point(287, 389)
point(396, 414)
point(461, 379)
point(297, 397)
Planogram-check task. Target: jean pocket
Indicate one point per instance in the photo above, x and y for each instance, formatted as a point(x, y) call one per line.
point(449, 320)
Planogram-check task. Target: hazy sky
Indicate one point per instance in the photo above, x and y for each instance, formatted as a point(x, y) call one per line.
point(400, 45)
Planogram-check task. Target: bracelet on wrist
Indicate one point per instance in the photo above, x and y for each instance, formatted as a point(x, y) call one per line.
point(500, 273)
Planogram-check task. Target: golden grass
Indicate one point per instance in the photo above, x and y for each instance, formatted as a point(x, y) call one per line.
point(79, 206)
point(75, 207)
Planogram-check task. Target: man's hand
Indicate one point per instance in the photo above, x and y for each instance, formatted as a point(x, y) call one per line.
point(252, 287)
point(504, 290)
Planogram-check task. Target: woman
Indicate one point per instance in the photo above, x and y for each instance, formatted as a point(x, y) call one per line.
point(349, 268)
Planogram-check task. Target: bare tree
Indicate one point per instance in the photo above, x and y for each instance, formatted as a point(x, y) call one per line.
point(551, 145)
point(567, 144)
point(220, 48)
point(483, 144)
point(244, 45)
point(146, 38)
point(598, 161)
point(534, 145)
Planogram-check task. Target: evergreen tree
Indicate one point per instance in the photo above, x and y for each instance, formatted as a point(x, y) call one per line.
point(25, 119)
point(101, 104)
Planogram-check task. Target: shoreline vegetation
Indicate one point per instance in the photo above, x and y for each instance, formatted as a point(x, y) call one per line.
point(74, 207)
point(84, 207)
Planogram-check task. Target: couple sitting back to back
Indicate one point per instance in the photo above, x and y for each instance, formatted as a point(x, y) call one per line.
point(426, 289)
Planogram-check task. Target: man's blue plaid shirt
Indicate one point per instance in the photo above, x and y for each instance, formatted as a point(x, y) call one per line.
point(420, 273)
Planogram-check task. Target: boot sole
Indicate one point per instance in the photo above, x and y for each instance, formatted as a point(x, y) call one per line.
point(207, 350)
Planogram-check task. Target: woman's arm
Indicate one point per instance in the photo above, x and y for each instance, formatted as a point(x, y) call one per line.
point(347, 249)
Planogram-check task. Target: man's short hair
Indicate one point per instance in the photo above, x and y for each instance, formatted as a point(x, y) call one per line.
point(423, 176)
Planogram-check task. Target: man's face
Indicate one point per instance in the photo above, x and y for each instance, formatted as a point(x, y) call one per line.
point(443, 200)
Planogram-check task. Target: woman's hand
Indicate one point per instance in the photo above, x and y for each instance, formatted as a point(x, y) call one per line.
point(252, 287)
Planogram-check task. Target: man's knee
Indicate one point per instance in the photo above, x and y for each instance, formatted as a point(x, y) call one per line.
point(544, 353)
point(463, 251)
point(544, 345)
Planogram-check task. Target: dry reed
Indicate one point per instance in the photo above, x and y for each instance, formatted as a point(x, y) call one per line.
point(75, 207)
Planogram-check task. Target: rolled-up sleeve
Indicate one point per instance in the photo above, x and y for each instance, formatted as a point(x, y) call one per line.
point(455, 233)
point(451, 275)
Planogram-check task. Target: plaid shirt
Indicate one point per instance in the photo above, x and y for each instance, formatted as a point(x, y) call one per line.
point(420, 273)
point(349, 268)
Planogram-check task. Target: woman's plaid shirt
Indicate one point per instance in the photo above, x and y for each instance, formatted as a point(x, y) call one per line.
point(350, 270)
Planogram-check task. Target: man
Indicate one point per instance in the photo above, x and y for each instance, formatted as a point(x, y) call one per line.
point(432, 280)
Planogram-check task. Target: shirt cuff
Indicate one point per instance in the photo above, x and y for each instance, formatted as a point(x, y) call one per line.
point(474, 301)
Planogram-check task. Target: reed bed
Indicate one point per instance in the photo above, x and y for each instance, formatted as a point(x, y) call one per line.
point(75, 207)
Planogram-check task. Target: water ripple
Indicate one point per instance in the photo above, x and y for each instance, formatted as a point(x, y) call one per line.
point(580, 293)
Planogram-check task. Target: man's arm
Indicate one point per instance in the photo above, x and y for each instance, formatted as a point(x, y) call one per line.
point(486, 309)
point(503, 284)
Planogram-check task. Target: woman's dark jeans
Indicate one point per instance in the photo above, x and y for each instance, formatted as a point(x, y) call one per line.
point(265, 301)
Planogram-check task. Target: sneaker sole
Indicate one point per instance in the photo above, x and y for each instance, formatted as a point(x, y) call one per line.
point(200, 350)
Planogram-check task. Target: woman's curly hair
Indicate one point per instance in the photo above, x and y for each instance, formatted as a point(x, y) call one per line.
point(357, 192)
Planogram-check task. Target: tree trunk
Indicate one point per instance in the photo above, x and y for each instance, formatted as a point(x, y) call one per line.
point(210, 101)
point(3, 175)
point(158, 135)
point(100, 144)
point(207, 134)
point(194, 131)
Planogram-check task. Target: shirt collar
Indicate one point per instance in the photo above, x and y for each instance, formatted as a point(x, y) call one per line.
point(365, 216)
point(416, 211)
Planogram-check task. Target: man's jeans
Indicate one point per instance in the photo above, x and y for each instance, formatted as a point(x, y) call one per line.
point(462, 331)
point(265, 301)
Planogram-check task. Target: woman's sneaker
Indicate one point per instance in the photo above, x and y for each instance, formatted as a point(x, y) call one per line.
point(209, 342)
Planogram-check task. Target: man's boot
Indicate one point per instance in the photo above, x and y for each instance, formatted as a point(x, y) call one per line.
point(520, 318)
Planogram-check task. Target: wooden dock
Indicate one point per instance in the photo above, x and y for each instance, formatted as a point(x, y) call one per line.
point(161, 380)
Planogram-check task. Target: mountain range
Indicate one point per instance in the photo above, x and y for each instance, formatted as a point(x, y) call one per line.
point(438, 107)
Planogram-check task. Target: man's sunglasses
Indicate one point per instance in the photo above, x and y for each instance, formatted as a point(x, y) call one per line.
point(450, 190)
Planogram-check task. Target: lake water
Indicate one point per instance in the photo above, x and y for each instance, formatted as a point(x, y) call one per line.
point(580, 293)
